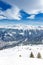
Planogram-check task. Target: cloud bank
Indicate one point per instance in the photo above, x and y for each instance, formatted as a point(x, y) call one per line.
point(32, 7)
point(12, 13)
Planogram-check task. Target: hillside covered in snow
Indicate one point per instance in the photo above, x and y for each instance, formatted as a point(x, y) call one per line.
point(15, 35)
point(20, 55)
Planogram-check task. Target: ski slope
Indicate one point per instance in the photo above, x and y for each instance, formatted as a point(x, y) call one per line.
point(10, 56)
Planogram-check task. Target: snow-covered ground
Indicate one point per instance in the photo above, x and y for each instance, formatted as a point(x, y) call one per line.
point(10, 56)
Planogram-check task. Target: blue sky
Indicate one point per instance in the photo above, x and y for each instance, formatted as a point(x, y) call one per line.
point(26, 10)
point(4, 6)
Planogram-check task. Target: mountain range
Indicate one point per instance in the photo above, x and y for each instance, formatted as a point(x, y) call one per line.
point(20, 35)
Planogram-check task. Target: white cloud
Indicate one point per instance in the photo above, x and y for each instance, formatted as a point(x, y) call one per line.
point(12, 13)
point(34, 12)
point(30, 6)
point(2, 17)
point(31, 17)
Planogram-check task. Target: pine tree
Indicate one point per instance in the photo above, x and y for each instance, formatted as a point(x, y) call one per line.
point(39, 55)
point(31, 55)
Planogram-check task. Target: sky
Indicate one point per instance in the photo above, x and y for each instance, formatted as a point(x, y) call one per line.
point(21, 10)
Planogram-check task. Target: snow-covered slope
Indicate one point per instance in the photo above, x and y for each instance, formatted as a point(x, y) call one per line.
point(23, 39)
point(11, 56)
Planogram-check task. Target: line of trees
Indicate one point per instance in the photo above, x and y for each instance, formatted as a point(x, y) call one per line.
point(38, 55)
point(32, 55)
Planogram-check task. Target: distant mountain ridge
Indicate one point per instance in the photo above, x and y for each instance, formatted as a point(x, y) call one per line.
point(20, 34)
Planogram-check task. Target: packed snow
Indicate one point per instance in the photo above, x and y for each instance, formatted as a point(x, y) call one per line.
point(11, 56)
